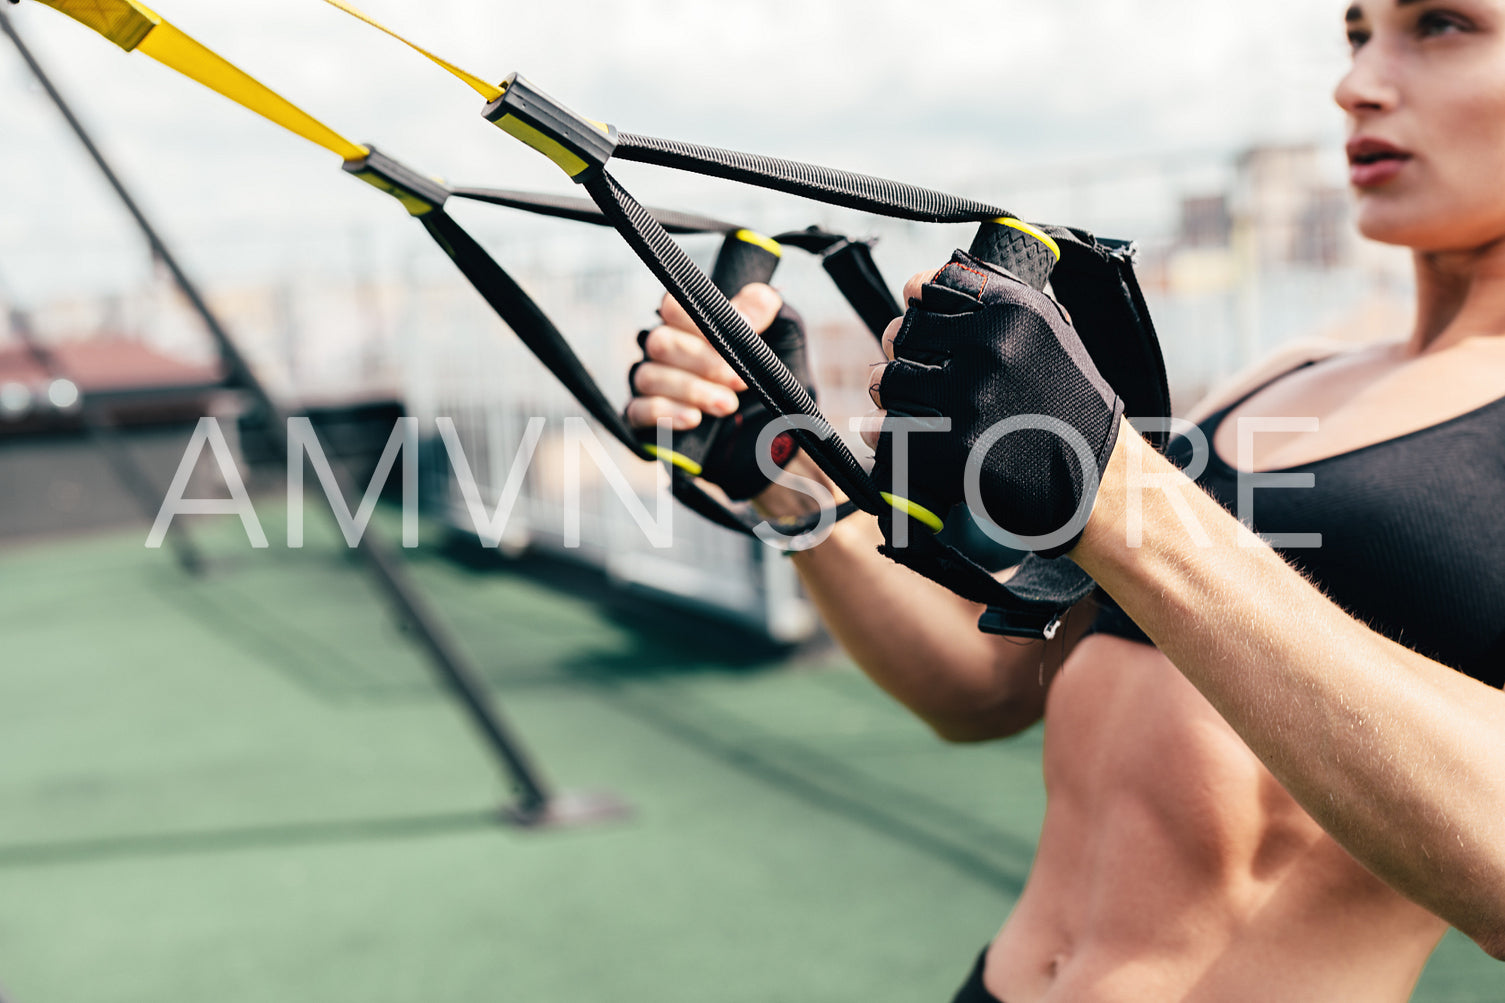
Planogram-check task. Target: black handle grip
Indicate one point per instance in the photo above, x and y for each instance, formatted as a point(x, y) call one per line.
point(745, 257)
point(1030, 254)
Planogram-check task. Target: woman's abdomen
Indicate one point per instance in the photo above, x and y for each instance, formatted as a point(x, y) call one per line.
point(1168, 851)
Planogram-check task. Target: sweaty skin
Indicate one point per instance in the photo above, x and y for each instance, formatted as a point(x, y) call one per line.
point(1274, 803)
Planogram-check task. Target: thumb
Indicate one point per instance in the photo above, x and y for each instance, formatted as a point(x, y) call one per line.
point(758, 304)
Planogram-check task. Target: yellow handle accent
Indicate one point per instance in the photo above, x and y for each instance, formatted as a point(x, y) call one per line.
point(1038, 234)
point(134, 27)
point(681, 461)
point(919, 513)
point(758, 240)
point(488, 91)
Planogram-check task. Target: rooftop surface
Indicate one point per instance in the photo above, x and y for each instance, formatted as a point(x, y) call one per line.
point(248, 788)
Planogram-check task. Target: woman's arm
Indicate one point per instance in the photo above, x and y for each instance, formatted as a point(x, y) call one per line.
point(918, 641)
point(1400, 758)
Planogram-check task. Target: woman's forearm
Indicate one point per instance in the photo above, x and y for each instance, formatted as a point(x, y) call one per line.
point(918, 641)
point(1400, 758)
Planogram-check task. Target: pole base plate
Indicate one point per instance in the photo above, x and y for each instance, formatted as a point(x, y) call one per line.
point(569, 810)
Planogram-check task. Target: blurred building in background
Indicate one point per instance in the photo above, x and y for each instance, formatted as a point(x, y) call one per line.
point(1270, 257)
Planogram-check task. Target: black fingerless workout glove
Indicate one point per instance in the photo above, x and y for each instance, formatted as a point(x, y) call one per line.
point(724, 450)
point(992, 354)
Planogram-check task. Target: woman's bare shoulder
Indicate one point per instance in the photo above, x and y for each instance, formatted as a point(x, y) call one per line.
point(1282, 360)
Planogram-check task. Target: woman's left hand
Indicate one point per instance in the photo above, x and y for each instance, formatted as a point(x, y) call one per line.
point(1031, 421)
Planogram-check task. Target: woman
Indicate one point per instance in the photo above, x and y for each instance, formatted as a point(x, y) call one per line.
point(1262, 795)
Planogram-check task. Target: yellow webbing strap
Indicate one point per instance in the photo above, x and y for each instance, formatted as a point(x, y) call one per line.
point(131, 25)
point(121, 21)
point(489, 91)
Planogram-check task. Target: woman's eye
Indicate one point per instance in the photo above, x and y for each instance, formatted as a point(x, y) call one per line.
point(1435, 22)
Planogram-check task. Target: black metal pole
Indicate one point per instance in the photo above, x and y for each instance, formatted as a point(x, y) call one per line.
point(449, 663)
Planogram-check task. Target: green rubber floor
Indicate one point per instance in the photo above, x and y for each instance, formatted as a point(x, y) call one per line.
point(249, 789)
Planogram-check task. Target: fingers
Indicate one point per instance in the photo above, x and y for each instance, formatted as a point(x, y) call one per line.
point(645, 412)
point(655, 379)
point(683, 380)
point(874, 383)
point(679, 349)
point(871, 429)
point(914, 288)
point(889, 334)
point(758, 304)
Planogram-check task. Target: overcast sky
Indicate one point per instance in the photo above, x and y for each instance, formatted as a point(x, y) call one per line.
point(994, 88)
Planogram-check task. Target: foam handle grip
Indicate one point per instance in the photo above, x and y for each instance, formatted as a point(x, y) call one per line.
point(744, 258)
point(1019, 250)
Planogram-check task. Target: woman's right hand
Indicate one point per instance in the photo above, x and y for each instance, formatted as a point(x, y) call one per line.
point(682, 378)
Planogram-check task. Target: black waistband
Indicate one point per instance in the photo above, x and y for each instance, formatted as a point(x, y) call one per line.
point(973, 990)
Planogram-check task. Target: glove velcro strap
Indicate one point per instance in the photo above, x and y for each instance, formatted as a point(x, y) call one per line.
point(1030, 604)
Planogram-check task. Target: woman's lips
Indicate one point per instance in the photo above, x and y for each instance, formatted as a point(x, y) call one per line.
point(1373, 162)
point(1375, 173)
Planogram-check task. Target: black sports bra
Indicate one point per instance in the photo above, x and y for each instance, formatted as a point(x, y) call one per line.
point(1412, 530)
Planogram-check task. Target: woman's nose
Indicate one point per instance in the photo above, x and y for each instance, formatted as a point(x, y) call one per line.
point(1369, 85)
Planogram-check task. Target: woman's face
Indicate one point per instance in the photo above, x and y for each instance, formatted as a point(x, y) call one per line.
point(1426, 114)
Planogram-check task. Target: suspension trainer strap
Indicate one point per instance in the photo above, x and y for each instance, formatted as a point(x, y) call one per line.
point(475, 83)
point(1032, 604)
point(880, 196)
point(132, 26)
point(584, 210)
point(519, 312)
point(581, 147)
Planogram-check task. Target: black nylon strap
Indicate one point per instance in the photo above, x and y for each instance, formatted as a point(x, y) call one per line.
point(585, 211)
point(534, 328)
point(894, 199)
point(518, 310)
point(737, 343)
point(851, 266)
